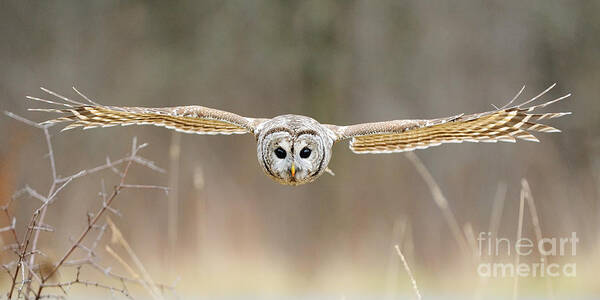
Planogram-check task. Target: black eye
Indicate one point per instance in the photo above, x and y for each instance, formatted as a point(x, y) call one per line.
point(305, 152)
point(280, 153)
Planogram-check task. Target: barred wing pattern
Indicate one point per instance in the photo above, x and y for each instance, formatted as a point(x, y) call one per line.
point(188, 119)
point(506, 124)
point(503, 124)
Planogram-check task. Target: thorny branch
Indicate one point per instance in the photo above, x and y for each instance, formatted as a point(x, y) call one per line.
point(24, 271)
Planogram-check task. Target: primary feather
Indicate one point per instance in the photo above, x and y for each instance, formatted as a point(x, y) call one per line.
point(185, 119)
point(189, 119)
point(505, 125)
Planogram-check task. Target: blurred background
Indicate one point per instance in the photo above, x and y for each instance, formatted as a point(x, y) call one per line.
point(226, 230)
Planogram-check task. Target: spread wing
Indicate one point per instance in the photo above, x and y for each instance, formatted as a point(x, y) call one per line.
point(188, 119)
point(504, 124)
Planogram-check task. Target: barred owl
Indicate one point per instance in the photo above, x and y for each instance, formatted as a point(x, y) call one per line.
point(295, 149)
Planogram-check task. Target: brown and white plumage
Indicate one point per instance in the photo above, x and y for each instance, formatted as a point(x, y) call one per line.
point(502, 124)
point(284, 141)
point(188, 119)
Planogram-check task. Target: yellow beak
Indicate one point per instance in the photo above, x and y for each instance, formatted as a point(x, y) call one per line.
point(293, 170)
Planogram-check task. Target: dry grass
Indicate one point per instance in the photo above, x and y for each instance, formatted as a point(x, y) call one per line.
point(441, 202)
point(535, 220)
point(146, 280)
point(467, 235)
point(515, 293)
point(409, 272)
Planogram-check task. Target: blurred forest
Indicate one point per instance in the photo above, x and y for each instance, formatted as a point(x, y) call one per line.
point(225, 228)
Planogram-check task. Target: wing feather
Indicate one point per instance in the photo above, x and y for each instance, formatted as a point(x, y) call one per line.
point(504, 125)
point(188, 119)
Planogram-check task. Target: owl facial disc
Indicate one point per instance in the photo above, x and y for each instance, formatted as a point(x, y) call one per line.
point(293, 149)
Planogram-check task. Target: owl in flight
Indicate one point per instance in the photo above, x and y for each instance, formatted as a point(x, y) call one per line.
point(295, 149)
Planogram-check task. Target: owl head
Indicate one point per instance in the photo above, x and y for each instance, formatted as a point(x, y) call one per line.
point(293, 149)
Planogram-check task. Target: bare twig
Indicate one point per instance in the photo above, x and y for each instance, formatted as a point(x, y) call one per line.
point(145, 186)
point(97, 216)
point(24, 120)
point(78, 281)
point(27, 248)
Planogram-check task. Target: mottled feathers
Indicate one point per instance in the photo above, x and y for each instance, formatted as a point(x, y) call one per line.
point(284, 141)
point(188, 119)
point(502, 124)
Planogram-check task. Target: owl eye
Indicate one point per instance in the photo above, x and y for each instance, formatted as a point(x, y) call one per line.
point(305, 152)
point(280, 153)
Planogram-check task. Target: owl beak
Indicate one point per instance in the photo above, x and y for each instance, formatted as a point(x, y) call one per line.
point(293, 170)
